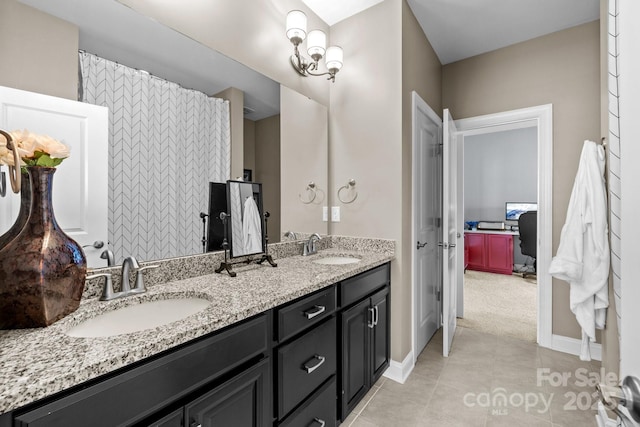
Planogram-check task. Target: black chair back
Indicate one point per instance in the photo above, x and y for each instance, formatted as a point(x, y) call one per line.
point(528, 228)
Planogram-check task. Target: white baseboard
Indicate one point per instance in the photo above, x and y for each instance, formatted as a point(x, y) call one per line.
point(399, 371)
point(573, 346)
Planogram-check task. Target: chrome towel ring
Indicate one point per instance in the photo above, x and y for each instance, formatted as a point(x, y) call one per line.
point(311, 193)
point(350, 187)
point(14, 171)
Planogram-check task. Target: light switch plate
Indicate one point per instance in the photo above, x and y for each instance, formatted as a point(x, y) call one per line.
point(325, 213)
point(335, 213)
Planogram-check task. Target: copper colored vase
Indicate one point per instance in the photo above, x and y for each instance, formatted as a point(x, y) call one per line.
point(42, 270)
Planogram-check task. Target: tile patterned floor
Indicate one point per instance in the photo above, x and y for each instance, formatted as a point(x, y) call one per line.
point(486, 381)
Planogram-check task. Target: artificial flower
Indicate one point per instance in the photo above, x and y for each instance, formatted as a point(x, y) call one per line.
point(33, 149)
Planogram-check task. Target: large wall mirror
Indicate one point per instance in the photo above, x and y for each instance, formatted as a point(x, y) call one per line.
point(118, 33)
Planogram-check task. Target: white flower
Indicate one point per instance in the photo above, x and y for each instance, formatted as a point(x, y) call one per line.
point(32, 147)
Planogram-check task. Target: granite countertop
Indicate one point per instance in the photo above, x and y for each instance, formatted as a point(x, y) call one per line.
point(35, 363)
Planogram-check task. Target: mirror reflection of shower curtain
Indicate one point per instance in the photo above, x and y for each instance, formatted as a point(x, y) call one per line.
point(166, 144)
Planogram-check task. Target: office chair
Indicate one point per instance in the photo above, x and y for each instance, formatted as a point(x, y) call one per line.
point(528, 228)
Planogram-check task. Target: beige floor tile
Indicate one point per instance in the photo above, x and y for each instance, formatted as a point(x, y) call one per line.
point(517, 419)
point(388, 409)
point(417, 388)
point(365, 400)
point(361, 422)
point(454, 406)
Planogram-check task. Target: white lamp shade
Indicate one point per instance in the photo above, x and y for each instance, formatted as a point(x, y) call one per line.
point(296, 25)
point(316, 44)
point(334, 58)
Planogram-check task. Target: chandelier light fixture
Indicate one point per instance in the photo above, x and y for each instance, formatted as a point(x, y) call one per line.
point(316, 48)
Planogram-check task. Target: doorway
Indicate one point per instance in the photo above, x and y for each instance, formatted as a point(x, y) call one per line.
point(499, 284)
point(541, 118)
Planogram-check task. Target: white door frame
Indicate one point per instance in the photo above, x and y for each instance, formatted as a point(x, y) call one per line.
point(416, 103)
point(541, 117)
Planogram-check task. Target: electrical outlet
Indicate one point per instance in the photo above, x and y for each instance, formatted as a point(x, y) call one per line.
point(335, 213)
point(325, 213)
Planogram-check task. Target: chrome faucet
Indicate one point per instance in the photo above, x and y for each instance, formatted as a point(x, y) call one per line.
point(108, 255)
point(291, 234)
point(309, 248)
point(127, 265)
point(139, 287)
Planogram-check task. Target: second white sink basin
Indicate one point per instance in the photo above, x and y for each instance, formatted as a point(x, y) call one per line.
point(138, 317)
point(336, 260)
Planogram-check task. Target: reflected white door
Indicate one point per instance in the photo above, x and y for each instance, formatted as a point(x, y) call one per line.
point(427, 179)
point(450, 238)
point(80, 184)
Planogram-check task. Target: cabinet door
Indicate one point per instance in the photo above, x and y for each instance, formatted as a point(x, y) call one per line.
point(242, 401)
point(475, 243)
point(380, 334)
point(355, 372)
point(499, 253)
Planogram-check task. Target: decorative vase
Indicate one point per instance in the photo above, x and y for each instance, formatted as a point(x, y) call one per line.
point(42, 270)
point(25, 203)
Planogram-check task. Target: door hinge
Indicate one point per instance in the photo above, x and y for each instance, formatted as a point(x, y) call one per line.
point(438, 295)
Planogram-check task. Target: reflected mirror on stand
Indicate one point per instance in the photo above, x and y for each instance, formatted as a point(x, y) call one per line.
point(237, 223)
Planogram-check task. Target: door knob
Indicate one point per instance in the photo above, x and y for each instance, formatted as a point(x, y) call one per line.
point(97, 244)
point(421, 245)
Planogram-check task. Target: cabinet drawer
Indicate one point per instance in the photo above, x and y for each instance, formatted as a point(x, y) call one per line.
point(147, 388)
point(305, 364)
point(358, 287)
point(306, 312)
point(319, 409)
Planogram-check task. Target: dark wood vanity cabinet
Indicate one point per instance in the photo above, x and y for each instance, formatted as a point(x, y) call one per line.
point(307, 360)
point(364, 335)
point(138, 395)
point(305, 363)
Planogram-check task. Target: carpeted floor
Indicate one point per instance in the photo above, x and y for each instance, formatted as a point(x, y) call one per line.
point(500, 305)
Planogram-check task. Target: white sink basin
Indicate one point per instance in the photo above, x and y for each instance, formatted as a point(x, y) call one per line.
point(336, 260)
point(138, 317)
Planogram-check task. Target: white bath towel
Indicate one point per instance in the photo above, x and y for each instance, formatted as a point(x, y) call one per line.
point(583, 254)
point(251, 227)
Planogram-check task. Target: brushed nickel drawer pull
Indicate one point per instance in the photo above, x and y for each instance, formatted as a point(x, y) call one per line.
point(316, 311)
point(319, 421)
point(310, 369)
point(376, 316)
point(371, 322)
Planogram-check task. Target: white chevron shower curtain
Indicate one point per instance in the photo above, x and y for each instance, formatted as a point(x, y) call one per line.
point(165, 144)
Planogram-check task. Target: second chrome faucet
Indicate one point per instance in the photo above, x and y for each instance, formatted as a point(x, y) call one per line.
point(309, 247)
point(139, 287)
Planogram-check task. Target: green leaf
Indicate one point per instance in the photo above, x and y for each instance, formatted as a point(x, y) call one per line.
point(43, 159)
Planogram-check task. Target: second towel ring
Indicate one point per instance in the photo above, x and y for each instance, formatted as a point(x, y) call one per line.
point(351, 185)
point(311, 190)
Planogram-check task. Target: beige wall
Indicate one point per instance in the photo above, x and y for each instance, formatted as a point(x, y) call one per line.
point(365, 135)
point(236, 114)
point(563, 69)
point(249, 31)
point(304, 156)
point(38, 52)
point(267, 170)
point(250, 145)
point(422, 72)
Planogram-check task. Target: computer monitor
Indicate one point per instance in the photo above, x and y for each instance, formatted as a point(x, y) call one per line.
point(513, 210)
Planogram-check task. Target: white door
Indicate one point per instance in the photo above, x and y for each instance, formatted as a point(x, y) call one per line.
point(427, 179)
point(80, 185)
point(450, 239)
